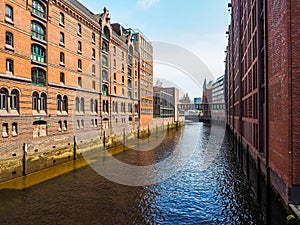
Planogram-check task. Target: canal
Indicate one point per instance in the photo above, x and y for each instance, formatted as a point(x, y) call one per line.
point(206, 187)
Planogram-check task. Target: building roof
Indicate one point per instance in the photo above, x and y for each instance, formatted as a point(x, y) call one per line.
point(82, 9)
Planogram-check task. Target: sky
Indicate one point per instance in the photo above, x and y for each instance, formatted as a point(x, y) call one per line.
point(196, 26)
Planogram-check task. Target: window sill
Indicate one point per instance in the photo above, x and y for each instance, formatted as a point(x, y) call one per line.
point(93, 58)
point(79, 34)
point(9, 20)
point(39, 17)
point(61, 24)
point(79, 52)
point(9, 47)
point(39, 40)
point(5, 135)
point(9, 73)
point(39, 63)
point(62, 64)
point(61, 44)
point(79, 70)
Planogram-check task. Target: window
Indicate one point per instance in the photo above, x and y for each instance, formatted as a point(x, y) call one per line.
point(93, 69)
point(3, 98)
point(115, 89)
point(62, 59)
point(38, 53)
point(93, 38)
point(94, 85)
point(14, 100)
point(38, 30)
point(10, 66)
point(38, 77)
point(78, 124)
point(129, 84)
point(129, 72)
point(106, 33)
point(9, 40)
point(59, 125)
point(104, 75)
point(62, 38)
point(92, 106)
point(62, 78)
point(82, 104)
point(96, 122)
point(105, 46)
point(38, 9)
point(123, 79)
point(79, 82)
point(9, 13)
point(115, 63)
point(65, 104)
point(79, 47)
point(122, 55)
point(104, 90)
point(104, 61)
point(123, 68)
point(35, 100)
point(79, 65)
point(123, 92)
point(61, 19)
point(5, 130)
point(115, 50)
point(14, 130)
point(115, 76)
point(59, 103)
point(79, 29)
point(93, 53)
point(129, 94)
point(43, 102)
point(65, 124)
point(77, 102)
point(82, 123)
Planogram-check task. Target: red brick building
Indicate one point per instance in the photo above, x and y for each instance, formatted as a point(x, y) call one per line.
point(65, 72)
point(262, 94)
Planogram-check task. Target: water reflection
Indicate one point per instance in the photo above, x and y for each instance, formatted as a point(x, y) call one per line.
point(215, 194)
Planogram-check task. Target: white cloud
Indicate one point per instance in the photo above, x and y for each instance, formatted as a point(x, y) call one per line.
point(147, 3)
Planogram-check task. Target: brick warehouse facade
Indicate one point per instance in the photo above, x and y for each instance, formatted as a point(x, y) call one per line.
point(64, 72)
point(262, 94)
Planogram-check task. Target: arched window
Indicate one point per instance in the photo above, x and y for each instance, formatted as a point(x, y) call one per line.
point(9, 13)
point(130, 50)
point(106, 33)
point(129, 94)
point(59, 103)
point(9, 39)
point(93, 38)
point(129, 84)
point(38, 30)
point(79, 49)
point(129, 72)
point(105, 46)
point(38, 77)
point(38, 9)
point(92, 105)
point(61, 18)
point(107, 106)
point(104, 61)
point(3, 98)
point(96, 106)
point(79, 30)
point(38, 53)
point(82, 105)
point(104, 75)
point(43, 102)
point(77, 104)
point(65, 104)
point(104, 90)
point(10, 66)
point(35, 101)
point(14, 102)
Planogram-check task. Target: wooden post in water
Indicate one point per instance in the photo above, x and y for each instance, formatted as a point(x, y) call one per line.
point(24, 160)
point(104, 139)
point(75, 148)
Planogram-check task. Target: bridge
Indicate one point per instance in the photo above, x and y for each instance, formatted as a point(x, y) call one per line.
point(202, 112)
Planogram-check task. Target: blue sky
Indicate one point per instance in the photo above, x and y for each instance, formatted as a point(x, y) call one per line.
point(196, 25)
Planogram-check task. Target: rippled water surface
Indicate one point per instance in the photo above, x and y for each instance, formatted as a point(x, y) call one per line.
point(207, 188)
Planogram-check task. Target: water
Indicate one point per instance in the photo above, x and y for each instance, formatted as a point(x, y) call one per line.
point(208, 188)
